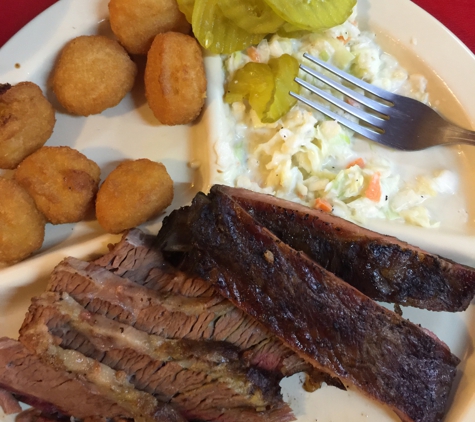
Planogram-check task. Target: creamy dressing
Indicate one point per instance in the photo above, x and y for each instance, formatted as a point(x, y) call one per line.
point(307, 158)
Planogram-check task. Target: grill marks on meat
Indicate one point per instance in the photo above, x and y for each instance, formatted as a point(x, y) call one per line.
point(318, 315)
point(197, 378)
point(55, 393)
point(382, 267)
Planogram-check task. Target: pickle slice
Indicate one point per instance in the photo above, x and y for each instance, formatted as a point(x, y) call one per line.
point(254, 16)
point(291, 31)
point(254, 82)
point(266, 87)
point(186, 7)
point(217, 33)
point(313, 15)
point(284, 68)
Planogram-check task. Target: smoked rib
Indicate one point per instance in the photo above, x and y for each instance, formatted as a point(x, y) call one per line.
point(325, 320)
point(382, 267)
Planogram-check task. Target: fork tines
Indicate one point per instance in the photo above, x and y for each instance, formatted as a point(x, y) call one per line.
point(374, 122)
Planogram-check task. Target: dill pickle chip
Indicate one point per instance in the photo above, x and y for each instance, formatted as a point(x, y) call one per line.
point(254, 82)
point(284, 68)
point(291, 31)
point(186, 7)
point(216, 32)
point(313, 15)
point(254, 16)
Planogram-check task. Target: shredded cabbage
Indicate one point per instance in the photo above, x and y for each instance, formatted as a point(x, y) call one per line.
point(304, 156)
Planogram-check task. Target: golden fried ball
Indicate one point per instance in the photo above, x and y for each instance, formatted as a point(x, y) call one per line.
point(26, 122)
point(62, 181)
point(22, 226)
point(93, 73)
point(175, 79)
point(136, 22)
point(133, 193)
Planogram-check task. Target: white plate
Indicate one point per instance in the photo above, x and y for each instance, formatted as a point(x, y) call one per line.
point(130, 131)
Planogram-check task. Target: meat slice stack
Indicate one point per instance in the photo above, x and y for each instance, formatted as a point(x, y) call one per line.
point(193, 376)
point(180, 305)
point(58, 393)
point(322, 318)
point(163, 345)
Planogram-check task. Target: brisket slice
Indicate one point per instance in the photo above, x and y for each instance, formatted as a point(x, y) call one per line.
point(8, 403)
point(198, 378)
point(136, 258)
point(35, 415)
point(56, 393)
point(112, 385)
point(137, 250)
point(172, 315)
point(319, 316)
point(382, 267)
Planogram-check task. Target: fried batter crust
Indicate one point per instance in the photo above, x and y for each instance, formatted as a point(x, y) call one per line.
point(132, 194)
point(175, 79)
point(135, 23)
point(93, 73)
point(27, 121)
point(62, 181)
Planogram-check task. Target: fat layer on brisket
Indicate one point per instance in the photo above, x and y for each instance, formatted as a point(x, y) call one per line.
point(55, 392)
point(169, 313)
point(199, 379)
point(205, 357)
point(382, 267)
point(328, 322)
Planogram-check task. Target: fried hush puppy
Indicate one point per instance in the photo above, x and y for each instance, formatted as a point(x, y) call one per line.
point(22, 226)
point(175, 79)
point(62, 181)
point(133, 193)
point(93, 73)
point(26, 122)
point(136, 22)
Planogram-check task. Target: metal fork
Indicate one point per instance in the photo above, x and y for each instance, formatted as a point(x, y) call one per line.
point(397, 121)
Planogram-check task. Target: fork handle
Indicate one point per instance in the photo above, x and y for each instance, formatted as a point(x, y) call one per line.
point(456, 135)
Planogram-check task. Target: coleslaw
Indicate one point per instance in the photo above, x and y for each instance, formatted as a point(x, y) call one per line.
point(307, 158)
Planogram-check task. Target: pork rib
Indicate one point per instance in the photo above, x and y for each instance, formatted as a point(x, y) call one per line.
point(328, 322)
point(382, 267)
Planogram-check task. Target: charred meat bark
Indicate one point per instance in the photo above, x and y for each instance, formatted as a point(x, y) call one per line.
point(328, 322)
point(56, 393)
point(199, 379)
point(382, 267)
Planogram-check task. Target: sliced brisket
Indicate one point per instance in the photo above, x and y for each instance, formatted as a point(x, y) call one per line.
point(136, 258)
point(56, 393)
point(199, 379)
point(382, 267)
point(170, 314)
point(8, 403)
point(327, 321)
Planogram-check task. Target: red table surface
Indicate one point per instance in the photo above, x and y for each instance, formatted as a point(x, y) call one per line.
point(457, 15)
